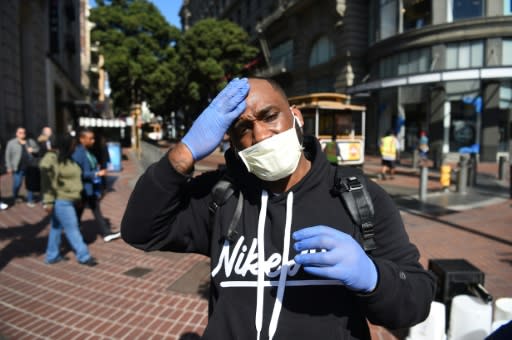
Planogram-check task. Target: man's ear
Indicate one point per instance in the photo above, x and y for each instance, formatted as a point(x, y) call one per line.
point(298, 115)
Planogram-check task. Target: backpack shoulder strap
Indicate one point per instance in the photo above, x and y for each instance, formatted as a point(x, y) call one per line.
point(221, 193)
point(356, 199)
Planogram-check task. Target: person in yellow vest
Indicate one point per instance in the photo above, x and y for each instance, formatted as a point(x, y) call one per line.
point(389, 148)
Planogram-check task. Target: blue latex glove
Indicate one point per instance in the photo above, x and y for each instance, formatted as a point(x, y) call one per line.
point(343, 260)
point(209, 128)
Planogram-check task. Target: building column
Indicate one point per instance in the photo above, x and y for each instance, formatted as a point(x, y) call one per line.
point(438, 117)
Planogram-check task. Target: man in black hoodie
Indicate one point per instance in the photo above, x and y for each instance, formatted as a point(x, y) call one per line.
point(294, 268)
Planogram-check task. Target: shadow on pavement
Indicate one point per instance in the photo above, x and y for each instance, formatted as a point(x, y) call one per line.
point(190, 336)
point(460, 227)
point(90, 230)
point(23, 241)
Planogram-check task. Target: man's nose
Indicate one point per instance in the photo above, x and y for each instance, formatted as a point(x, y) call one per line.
point(261, 131)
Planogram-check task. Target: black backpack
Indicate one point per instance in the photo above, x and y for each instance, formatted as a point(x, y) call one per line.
point(350, 189)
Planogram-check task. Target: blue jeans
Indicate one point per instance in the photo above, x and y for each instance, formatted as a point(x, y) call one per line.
point(17, 180)
point(64, 218)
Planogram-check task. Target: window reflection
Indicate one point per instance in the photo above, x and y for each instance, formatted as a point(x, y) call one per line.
point(388, 18)
point(464, 9)
point(465, 55)
point(416, 14)
point(282, 55)
point(409, 62)
point(322, 52)
point(507, 7)
point(507, 52)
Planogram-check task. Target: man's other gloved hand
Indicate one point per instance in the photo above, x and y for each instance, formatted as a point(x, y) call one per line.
point(209, 128)
point(343, 260)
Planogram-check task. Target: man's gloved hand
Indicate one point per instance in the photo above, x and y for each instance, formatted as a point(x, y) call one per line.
point(209, 128)
point(343, 260)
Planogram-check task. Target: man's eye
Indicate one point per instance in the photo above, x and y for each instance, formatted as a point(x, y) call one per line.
point(242, 130)
point(271, 117)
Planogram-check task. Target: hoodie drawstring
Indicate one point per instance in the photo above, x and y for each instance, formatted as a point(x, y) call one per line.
point(285, 264)
point(261, 261)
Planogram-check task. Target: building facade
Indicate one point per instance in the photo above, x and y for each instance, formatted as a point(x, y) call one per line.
point(441, 66)
point(39, 64)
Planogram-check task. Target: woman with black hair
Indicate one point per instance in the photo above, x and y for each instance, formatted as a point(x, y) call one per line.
point(61, 185)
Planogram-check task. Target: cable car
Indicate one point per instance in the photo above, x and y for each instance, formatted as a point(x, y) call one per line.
point(338, 125)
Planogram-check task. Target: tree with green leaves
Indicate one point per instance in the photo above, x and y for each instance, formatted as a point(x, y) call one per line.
point(212, 52)
point(140, 57)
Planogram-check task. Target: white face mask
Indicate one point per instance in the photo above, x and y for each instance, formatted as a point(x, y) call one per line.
point(274, 158)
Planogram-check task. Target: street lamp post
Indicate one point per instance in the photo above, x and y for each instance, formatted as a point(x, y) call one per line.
point(136, 118)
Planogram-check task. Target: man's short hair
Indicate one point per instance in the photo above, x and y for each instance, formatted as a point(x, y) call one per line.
point(275, 85)
point(84, 131)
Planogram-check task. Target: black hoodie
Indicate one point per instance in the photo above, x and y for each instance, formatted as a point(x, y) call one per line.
point(169, 211)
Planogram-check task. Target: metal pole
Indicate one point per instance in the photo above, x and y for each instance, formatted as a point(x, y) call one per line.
point(462, 180)
point(501, 167)
point(423, 182)
point(415, 158)
point(510, 177)
point(474, 169)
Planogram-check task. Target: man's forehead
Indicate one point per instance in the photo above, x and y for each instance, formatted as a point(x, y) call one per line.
point(263, 88)
point(262, 95)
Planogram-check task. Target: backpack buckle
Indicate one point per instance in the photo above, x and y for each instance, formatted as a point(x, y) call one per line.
point(213, 206)
point(353, 183)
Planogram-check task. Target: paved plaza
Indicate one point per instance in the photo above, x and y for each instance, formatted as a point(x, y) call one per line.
point(136, 295)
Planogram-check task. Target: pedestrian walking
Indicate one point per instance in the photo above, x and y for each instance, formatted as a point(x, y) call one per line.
point(389, 148)
point(287, 260)
point(19, 156)
point(45, 140)
point(100, 151)
point(61, 188)
point(423, 148)
point(32, 174)
point(91, 178)
point(3, 205)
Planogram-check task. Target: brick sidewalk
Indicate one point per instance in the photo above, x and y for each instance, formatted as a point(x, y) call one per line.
point(134, 295)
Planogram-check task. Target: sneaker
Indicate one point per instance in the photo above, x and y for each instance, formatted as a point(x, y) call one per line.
point(57, 260)
point(91, 262)
point(31, 204)
point(111, 236)
point(3, 206)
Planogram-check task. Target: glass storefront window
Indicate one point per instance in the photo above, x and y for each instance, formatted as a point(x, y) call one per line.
point(506, 95)
point(416, 13)
point(463, 125)
point(388, 22)
point(465, 9)
point(506, 53)
point(465, 55)
point(322, 52)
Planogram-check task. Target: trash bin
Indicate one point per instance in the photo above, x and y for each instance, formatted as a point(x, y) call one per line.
point(456, 277)
point(115, 155)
